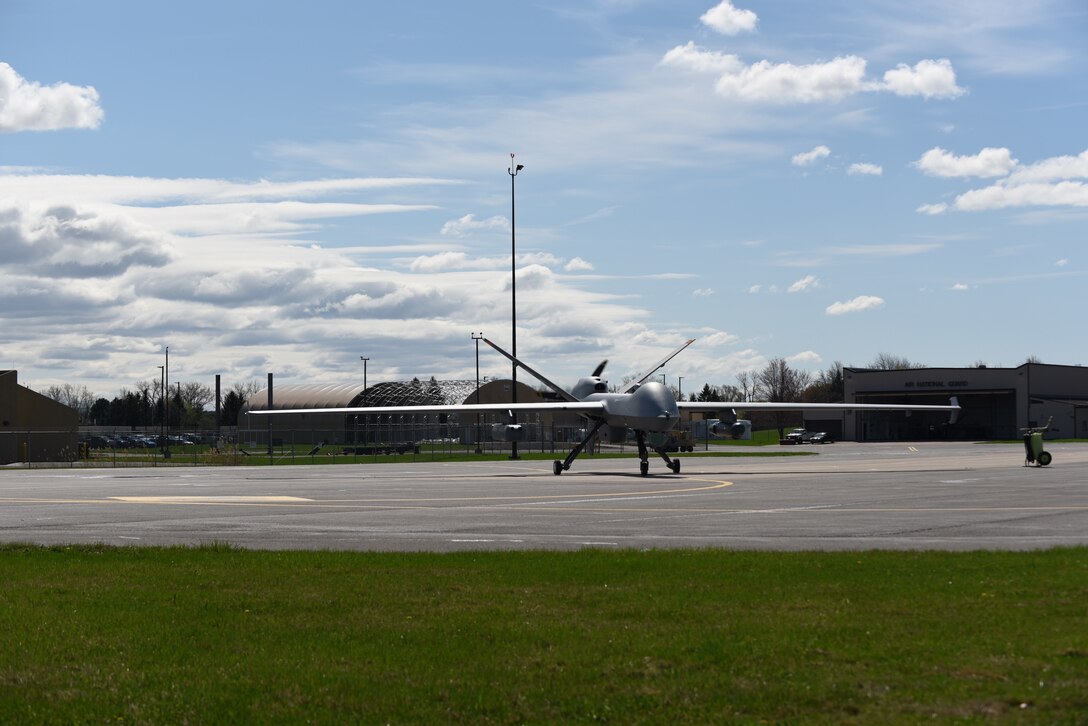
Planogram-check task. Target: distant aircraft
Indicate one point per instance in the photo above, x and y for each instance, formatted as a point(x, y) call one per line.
point(643, 406)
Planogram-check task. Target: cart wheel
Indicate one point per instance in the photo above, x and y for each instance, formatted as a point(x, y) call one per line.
point(557, 467)
point(644, 467)
point(1045, 458)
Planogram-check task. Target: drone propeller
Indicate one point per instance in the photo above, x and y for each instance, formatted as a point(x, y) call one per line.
point(600, 368)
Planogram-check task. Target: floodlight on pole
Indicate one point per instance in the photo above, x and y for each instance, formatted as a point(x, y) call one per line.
point(366, 419)
point(513, 172)
point(478, 337)
point(162, 407)
point(166, 405)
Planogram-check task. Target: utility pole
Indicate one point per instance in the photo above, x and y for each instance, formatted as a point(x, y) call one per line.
point(478, 337)
point(513, 172)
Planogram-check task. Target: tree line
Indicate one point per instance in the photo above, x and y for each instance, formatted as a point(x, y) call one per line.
point(143, 405)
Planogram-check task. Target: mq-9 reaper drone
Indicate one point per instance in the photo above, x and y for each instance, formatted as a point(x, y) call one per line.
point(643, 406)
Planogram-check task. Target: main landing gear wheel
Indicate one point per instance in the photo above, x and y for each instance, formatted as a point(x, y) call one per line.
point(644, 467)
point(1045, 458)
point(557, 467)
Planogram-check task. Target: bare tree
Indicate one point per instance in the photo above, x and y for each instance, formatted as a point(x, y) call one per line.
point(828, 386)
point(246, 389)
point(891, 362)
point(728, 393)
point(196, 395)
point(778, 382)
point(78, 397)
point(747, 381)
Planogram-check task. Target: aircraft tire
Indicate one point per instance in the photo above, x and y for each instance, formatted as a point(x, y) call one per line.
point(675, 466)
point(644, 468)
point(557, 467)
point(1045, 458)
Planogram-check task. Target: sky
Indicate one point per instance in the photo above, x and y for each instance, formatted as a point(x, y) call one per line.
point(286, 187)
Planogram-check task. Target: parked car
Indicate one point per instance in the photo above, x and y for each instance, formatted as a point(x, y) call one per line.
point(797, 436)
point(804, 436)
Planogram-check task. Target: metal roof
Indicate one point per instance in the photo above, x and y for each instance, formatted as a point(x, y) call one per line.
point(393, 393)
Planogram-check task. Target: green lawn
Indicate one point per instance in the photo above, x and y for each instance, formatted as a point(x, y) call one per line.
point(95, 635)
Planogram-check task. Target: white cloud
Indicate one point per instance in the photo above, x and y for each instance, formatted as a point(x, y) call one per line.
point(862, 302)
point(960, 287)
point(1054, 182)
point(833, 80)
point(1057, 168)
point(729, 20)
point(805, 358)
point(1002, 196)
point(468, 224)
point(769, 82)
point(577, 264)
point(1062, 262)
point(807, 158)
point(29, 106)
point(989, 162)
point(865, 169)
point(805, 284)
point(932, 209)
point(694, 58)
point(928, 78)
point(67, 241)
point(716, 339)
point(754, 289)
point(702, 292)
point(440, 262)
point(153, 190)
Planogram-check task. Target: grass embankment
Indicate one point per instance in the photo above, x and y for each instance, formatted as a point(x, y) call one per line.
point(221, 635)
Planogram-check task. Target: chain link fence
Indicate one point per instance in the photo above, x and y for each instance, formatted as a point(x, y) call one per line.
point(368, 441)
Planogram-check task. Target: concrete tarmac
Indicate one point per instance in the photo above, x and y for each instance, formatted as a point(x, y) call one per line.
point(848, 496)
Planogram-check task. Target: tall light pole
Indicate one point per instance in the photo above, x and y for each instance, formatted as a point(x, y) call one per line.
point(366, 422)
point(162, 408)
point(166, 406)
point(513, 172)
point(478, 337)
point(680, 388)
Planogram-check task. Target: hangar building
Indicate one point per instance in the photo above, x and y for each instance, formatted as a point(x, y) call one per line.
point(378, 428)
point(34, 427)
point(996, 402)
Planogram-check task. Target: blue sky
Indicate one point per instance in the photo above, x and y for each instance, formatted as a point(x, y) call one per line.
point(269, 186)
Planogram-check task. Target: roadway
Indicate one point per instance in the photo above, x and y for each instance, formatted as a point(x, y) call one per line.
point(848, 496)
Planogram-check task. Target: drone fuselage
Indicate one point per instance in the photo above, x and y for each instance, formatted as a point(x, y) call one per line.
point(650, 408)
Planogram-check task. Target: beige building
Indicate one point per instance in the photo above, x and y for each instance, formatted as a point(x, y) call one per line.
point(364, 429)
point(996, 402)
point(34, 427)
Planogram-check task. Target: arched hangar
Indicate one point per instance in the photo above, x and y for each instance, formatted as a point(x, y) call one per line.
point(371, 428)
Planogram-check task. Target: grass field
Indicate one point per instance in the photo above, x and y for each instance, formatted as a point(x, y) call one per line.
point(216, 634)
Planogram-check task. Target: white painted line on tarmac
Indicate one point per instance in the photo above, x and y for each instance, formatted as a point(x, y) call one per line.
point(227, 499)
